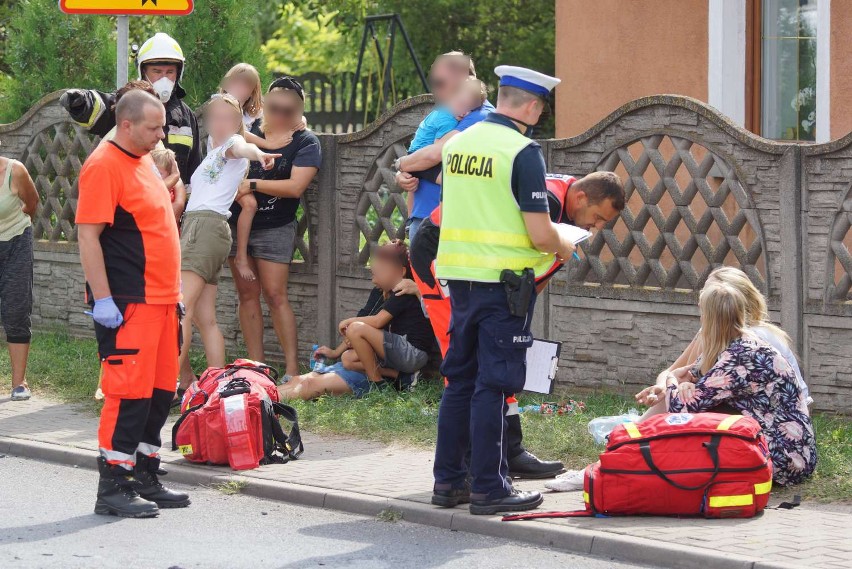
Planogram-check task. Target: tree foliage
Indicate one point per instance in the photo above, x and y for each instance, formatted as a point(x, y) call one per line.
point(308, 42)
point(40, 62)
point(217, 35)
point(493, 32)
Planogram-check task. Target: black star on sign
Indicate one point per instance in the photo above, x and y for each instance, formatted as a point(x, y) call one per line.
point(154, 2)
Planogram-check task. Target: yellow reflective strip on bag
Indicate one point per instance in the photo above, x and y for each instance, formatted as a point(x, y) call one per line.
point(728, 422)
point(632, 430)
point(731, 501)
point(184, 139)
point(763, 488)
point(185, 449)
point(586, 497)
point(486, 236)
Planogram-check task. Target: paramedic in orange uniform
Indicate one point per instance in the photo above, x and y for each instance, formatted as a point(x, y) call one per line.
point(130, 253)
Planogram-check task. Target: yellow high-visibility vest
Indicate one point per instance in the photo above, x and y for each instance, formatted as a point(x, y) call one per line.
point(482, 227)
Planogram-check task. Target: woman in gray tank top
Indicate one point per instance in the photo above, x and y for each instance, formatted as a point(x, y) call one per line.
point(18, 204)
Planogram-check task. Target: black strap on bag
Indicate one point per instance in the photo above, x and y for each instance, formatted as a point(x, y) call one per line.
point(266, 370)
point(289, 445)
point(712, 447)
point(186, 414)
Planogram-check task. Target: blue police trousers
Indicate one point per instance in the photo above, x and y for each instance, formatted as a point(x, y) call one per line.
point(485, 363)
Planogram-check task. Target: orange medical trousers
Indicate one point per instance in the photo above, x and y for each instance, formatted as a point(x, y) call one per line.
point(139, 369)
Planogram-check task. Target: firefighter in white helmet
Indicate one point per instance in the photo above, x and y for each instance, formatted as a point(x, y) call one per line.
point(160, 61)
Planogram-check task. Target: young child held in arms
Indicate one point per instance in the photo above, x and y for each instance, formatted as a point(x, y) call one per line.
point(442, 120)
point(389, 340)
point(166, 164)
point(242, 81)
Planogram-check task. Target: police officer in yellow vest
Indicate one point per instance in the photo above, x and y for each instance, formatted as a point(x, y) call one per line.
point(496, 237)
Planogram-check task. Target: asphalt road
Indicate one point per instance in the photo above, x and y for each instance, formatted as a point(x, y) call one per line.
point(46, 520)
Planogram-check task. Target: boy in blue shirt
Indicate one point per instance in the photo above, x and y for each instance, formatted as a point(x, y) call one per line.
point(444, 119)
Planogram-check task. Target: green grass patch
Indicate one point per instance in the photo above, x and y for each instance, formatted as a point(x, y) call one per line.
point(67, 368)
point(231, 487)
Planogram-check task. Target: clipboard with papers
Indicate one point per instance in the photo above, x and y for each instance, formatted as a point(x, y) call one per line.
point(542, 361)
point(575, 234)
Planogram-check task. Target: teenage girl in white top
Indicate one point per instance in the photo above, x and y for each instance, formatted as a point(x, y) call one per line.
point(205, 234)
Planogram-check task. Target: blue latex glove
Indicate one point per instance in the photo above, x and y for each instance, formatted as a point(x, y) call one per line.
point(106, 313)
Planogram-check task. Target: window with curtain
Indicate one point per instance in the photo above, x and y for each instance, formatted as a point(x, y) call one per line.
point(788, 74)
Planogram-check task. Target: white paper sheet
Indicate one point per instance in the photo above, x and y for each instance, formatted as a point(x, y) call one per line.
point(542, 358)
point(575, 234)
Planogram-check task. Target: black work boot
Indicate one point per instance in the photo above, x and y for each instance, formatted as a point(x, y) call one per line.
point(451, 497)
point(147, 469)
point(117, 494)
point(516, 501)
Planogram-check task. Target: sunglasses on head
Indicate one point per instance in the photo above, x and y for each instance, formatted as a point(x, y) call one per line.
point(280, 110)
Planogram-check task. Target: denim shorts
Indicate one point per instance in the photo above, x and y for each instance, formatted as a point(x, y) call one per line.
point(401, 355)
point(357, 381)
point(274, 244)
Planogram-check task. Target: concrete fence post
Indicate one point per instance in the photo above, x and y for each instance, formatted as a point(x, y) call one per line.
point(326, 249)
point(792, 262)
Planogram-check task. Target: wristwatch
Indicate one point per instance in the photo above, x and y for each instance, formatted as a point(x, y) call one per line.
point(253, 185)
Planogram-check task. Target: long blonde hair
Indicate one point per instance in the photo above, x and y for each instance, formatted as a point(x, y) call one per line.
point(756, 312)
point(248, 73)
point(723, 319)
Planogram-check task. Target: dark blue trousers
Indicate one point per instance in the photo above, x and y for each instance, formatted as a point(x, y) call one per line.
point(485, 363)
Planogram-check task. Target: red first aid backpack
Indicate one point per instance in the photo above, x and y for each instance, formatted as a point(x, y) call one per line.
point(678, 464)
point(686, 464)
point(231, 415)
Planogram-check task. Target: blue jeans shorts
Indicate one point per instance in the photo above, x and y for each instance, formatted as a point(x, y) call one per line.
point(356, 380)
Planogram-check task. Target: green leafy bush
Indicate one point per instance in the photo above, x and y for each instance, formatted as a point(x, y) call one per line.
point(49, 50)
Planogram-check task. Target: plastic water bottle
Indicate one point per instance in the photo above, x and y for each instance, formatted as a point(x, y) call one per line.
point(316, 362)
point(601, 427)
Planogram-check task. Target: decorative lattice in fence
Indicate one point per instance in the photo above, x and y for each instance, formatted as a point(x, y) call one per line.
point(686, 213)
point(839, 258)
point(54, 157)
point(381, 211)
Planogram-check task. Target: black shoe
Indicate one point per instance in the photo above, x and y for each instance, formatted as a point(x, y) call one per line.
point(528, 465)
point(451, 498)
point(117, 494)
point(517, 501)
point(150, 488)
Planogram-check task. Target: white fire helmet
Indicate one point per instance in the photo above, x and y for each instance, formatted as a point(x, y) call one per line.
point(161, 47)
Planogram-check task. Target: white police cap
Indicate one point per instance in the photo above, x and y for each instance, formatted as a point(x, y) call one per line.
point(526, 79)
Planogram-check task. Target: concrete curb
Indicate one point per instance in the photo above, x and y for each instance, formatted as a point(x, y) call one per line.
point(601, 544)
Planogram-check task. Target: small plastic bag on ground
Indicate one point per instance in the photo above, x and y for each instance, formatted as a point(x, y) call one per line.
point(601, 427)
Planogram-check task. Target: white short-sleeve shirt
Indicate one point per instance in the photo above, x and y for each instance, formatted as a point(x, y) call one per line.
point(216, 180)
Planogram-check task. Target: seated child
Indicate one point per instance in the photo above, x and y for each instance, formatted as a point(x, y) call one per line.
point(389, 340)
point(443, 119)
point(166, 164)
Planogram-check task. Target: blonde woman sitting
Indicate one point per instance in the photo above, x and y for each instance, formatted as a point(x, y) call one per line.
point(757, 322)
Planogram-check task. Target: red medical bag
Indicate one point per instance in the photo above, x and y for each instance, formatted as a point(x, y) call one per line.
point(232, 416)
point(685, 464)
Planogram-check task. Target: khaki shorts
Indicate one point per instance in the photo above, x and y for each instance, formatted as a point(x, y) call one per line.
point(205, 241)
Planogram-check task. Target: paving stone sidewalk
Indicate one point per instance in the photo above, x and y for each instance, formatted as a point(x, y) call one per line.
point(371, 472)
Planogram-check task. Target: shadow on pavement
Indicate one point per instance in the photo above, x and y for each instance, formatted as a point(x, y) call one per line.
point(49, 530)
point(354, 532)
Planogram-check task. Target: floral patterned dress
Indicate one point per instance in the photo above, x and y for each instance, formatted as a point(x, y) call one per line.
point(752, 377)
